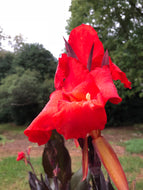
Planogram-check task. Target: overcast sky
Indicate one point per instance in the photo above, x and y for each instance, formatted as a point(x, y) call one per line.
point(39, 21)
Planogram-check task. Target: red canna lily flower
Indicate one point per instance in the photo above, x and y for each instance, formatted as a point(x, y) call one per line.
point(21, 156)
point(84, 83)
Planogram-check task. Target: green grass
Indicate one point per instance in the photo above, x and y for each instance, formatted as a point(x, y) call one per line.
point(139, 185)
point(134, 146)
point(131, 164)
point(11, 128)
point(14, 175)
point(4, 140)
point(132, 167)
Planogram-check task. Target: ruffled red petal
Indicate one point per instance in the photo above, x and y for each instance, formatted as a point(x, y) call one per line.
point(117, 74)
point(104, 82)
point(39, 130)
point(81, 40)
point(77, 119)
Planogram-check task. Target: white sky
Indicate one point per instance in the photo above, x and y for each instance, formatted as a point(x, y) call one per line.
point(39, 21)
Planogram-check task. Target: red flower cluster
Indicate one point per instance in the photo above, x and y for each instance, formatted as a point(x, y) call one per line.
point(84, 83)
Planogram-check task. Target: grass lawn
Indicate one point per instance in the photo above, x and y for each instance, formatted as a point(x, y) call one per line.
point(10, 127)
point(14, 175)
point(134, 146)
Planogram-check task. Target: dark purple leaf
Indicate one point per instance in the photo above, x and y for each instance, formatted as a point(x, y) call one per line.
point(56, 183)
point(81, 142)
point(105, 60)
point(89, 63)
point(45, 183)
point(69, 50)
point(109, 185)
point(98, 179)
point(93, 160)
point(32, 180)
point(102, 182)
point(55, 154)
point(34, 183)
point(49, 160)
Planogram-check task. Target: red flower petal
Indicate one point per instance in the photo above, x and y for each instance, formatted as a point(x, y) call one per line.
point(117, 74)
point(61, 72)
point(104, 82)
point(21, 155)
point(70, 73)
point(81, 40)
point(77, 119)
point(40, 129)
point(80, 91)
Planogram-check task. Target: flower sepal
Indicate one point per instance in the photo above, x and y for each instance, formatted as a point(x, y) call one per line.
point(110, 162)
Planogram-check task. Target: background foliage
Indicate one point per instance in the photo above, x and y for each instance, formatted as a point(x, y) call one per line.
point(26, 81)
point(119, 25)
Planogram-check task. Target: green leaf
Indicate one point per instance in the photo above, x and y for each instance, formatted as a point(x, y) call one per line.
point(76, 182)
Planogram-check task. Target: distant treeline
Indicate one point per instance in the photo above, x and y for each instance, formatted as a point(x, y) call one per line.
point(26, 81)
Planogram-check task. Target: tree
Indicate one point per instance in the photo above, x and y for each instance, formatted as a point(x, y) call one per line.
point(18, 42)
point(122, 18)
point(22, 96)
point(7, 84)
point(46, 88)
point(6, 59)
point(26, 80)
point(36, 57)
point(80, 13)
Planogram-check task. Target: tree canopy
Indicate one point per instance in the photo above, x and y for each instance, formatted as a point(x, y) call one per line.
point(121, 18)
point(26, 81)
point(35, 57)
point(6, 59)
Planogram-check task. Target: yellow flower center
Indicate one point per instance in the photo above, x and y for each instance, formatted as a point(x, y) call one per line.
point(88, 96)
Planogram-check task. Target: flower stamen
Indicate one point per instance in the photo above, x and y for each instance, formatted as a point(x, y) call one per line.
point(88, 96)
